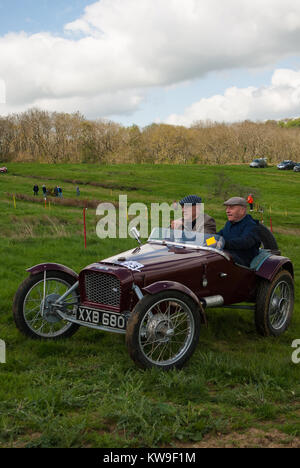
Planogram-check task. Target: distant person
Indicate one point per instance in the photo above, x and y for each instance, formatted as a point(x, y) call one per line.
point(250, 201)
point(241, 234)
point(55, 191)
point(77, 191)
point(59, 190)
point(44, 190)
point(35, 190)
point(192, 218)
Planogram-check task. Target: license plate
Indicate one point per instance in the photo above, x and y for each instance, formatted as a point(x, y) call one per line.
point(101, 318)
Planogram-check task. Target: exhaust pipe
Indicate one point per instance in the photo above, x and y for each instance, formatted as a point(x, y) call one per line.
point(213, 301)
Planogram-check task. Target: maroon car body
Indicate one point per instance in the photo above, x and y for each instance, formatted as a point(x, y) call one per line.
point(173, 268)
point(140, 292)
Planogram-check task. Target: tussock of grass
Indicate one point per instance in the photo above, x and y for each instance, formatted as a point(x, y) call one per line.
point(32, 227)
point(106, 185)
point(55, 201)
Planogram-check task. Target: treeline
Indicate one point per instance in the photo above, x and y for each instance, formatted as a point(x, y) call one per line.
point(53, 137)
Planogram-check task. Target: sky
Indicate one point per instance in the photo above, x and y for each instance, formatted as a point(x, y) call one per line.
point(144, 61)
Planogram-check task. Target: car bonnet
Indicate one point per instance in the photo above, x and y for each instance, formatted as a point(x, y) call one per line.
point(151, 254)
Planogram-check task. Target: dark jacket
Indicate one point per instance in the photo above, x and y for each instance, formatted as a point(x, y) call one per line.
point(208, 226)
point(242, 239)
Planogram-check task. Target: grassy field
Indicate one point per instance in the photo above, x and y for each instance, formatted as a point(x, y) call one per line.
point(238, 389)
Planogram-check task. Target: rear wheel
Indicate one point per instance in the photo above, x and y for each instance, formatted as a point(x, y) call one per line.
point(268, 240)
point(33, 310)
point(163, 330)
point(274, 304)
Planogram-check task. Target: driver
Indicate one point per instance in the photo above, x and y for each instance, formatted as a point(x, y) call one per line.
point(240, 233)
point(193, 218)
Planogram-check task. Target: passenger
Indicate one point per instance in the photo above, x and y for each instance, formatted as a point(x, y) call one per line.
point(193, 218)
point(241, 232)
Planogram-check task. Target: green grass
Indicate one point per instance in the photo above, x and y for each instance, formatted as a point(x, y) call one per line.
point(86, 392)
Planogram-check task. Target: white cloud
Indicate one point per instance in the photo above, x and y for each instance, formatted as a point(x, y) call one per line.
point(110, 104)
point(278, 100)
point(118, 49)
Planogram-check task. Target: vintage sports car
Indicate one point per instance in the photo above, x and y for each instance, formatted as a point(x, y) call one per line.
point(157, 295)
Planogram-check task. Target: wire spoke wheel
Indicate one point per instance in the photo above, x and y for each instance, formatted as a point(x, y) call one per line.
point(165, 336)
point(274, 304)
point(36, 315)
point(279, 304)
point(163, 330)
point(40, 315)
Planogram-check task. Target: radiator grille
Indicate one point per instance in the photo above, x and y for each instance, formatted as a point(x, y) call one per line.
point(102, 288)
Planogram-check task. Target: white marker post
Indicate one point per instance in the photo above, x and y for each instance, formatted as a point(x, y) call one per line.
point(2, 352)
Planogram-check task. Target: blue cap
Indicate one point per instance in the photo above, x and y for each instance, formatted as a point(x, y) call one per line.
point(191, 199)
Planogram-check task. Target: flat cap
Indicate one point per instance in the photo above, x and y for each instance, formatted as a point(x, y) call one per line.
point(191, 199)
point(236, 201)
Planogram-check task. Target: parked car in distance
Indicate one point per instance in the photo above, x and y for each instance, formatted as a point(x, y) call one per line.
point(287, 164)
point(259, 162)
point(297, 167)
point(3, 169)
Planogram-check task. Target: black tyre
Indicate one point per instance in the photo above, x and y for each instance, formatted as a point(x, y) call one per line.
point(35, 317)
point(267, 239)
point(274, 304)
point(163, 330)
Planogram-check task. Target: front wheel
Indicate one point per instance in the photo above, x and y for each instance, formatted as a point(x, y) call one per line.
point(274, 304)
point(33, 308)
point(163, 330)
